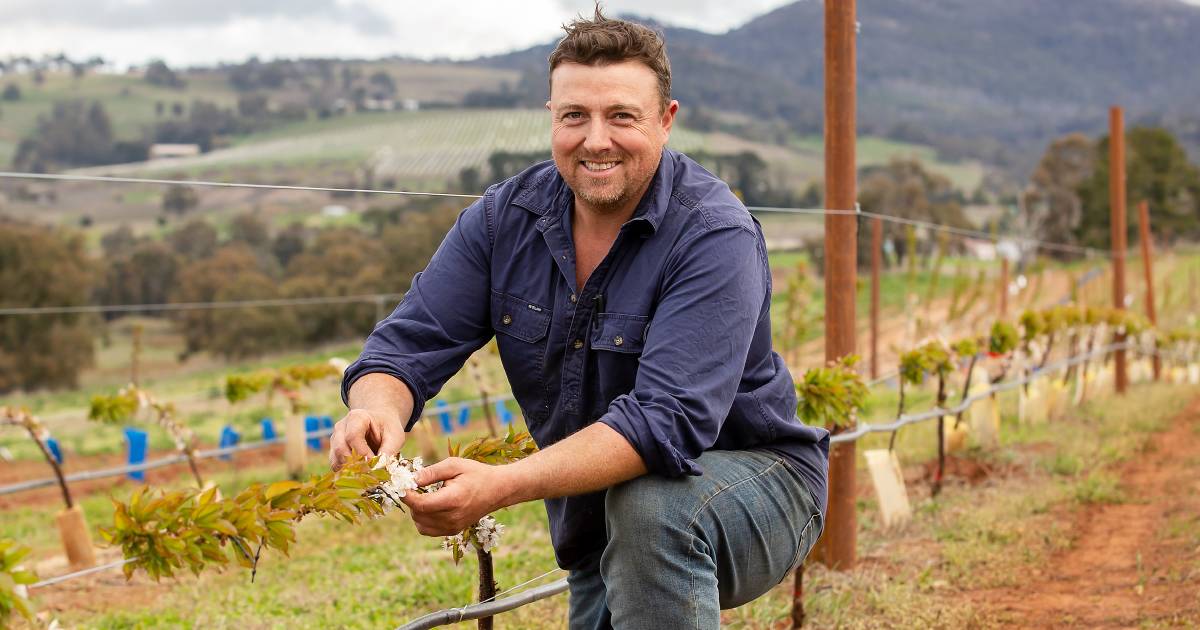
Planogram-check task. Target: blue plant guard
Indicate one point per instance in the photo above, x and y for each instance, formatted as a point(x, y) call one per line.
point(444, 416)
point(229, 437)
point(311, 424)
point(506, 416)
point(136, 439)
point(268, 430)
point(327, 424)
point(55, 450)
point(464, 416)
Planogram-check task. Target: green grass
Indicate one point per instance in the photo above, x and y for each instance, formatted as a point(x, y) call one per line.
point(129, 101)
point(875, 151)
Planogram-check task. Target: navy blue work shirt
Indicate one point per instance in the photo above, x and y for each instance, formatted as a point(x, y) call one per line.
point(668, 342)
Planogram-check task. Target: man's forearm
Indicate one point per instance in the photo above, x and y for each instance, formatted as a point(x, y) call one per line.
point(383, 395)
point(592, 459)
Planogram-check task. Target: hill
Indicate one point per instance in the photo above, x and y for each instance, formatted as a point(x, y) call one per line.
point(992, 80)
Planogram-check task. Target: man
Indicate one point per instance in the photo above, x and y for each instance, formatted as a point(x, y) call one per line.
point(629, 293)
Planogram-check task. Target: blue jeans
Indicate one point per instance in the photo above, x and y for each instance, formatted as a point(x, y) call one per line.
point(680, 550)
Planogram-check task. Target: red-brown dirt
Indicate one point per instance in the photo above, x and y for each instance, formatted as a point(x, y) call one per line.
point(1132, 564)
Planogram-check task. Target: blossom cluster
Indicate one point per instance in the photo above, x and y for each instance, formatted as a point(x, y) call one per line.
point(484, 535)
point(402, 479)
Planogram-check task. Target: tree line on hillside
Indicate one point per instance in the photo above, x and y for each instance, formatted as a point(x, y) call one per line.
point(79, 132)
point(1067, 199)
point(193, 262)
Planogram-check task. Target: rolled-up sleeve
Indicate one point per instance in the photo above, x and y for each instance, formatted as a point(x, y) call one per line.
point(714, 294)
point(441, 320)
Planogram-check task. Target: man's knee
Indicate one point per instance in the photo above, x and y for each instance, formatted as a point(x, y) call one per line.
point(647, 504)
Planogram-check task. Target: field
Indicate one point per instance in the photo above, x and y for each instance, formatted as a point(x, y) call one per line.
point(1022, 532)
point(951, 566)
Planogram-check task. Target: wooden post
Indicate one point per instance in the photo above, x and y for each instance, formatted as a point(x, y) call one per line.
point(135, 357)
point(1148, 269)
point(295, 447)
point(1003, 287)
point(876, 254)
point(840, 258)
point(1116, 195)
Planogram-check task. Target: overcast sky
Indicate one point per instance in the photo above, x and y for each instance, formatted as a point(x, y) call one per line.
point(189, 32)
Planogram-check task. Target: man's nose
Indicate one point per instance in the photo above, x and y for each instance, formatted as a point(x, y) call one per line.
point(598, 139)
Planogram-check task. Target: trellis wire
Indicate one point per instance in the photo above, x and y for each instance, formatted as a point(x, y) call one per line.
point(497, 604)
point(170, 460)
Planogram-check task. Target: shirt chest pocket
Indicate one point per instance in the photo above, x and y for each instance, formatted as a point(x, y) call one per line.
point(617, 332)
point(519, 318)
point(521, 327)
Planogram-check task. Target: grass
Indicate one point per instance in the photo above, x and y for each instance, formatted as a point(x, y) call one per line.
point(970, 537)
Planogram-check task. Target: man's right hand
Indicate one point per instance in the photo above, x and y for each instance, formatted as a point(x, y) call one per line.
point(367, 434)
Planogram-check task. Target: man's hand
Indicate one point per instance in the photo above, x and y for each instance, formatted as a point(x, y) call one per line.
point(367, 434)
point(472, 490)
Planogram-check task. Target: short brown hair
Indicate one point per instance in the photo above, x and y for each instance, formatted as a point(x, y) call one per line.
point(602, 40)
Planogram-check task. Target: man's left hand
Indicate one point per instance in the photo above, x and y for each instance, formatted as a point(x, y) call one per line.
point(471, 491)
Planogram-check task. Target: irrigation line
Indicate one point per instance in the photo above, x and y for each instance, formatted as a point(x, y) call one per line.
point(187, 182)
point(170, 460)
point(78, 574)
point(477, 611)
point(864, 428)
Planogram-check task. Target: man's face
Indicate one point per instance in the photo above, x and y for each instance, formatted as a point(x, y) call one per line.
point(608, 131)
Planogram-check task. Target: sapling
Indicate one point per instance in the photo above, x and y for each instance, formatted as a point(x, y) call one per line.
point(831, 395)
point(966, 349)
point(72, 523)
point(162, 532)
point(39, 434)
point(130, 403)
point(931, 358)
point(1002, 341)
point(287, 382)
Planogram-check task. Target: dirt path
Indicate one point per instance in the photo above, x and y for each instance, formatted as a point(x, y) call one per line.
point(1133, 564)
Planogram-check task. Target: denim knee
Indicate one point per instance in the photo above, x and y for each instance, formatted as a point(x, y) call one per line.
point(647, 505)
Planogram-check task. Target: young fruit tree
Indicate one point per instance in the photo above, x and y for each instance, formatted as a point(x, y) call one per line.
point(72, 525)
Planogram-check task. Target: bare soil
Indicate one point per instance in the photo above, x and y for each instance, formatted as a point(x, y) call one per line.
point(1132, 564)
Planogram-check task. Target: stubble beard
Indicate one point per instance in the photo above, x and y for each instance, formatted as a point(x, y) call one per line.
point(612, 198)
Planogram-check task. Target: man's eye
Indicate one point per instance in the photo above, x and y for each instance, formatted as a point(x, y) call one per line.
point(623, 116)
point(573, 116)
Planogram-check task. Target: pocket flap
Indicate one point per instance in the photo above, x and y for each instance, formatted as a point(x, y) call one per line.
point(620, 333)
point(519, 318)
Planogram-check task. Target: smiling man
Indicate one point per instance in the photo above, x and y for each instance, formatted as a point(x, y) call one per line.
point(629, 293)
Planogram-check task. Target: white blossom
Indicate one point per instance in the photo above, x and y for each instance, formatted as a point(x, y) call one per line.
point(453, 543)
point(487, 533)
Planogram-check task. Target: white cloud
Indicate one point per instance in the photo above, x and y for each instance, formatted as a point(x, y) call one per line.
point(185, 32)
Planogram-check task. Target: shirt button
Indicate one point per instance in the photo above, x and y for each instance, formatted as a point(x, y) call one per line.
point(573, 298)
point(578, 344)
point(506, 320)
point(618, 340)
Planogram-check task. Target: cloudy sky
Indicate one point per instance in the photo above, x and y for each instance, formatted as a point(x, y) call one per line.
point(190, 32)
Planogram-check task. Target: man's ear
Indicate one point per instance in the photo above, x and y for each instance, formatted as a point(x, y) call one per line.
point(668, 116)
point(548, 105)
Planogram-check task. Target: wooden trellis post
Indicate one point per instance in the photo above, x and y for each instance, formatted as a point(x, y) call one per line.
point(1116, 195)
point(1148, 268)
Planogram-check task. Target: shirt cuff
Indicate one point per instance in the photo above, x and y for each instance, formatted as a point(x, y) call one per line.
point(370, 364)
point(649, 439)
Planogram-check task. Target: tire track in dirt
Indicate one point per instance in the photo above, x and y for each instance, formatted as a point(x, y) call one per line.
point(1132, 564)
